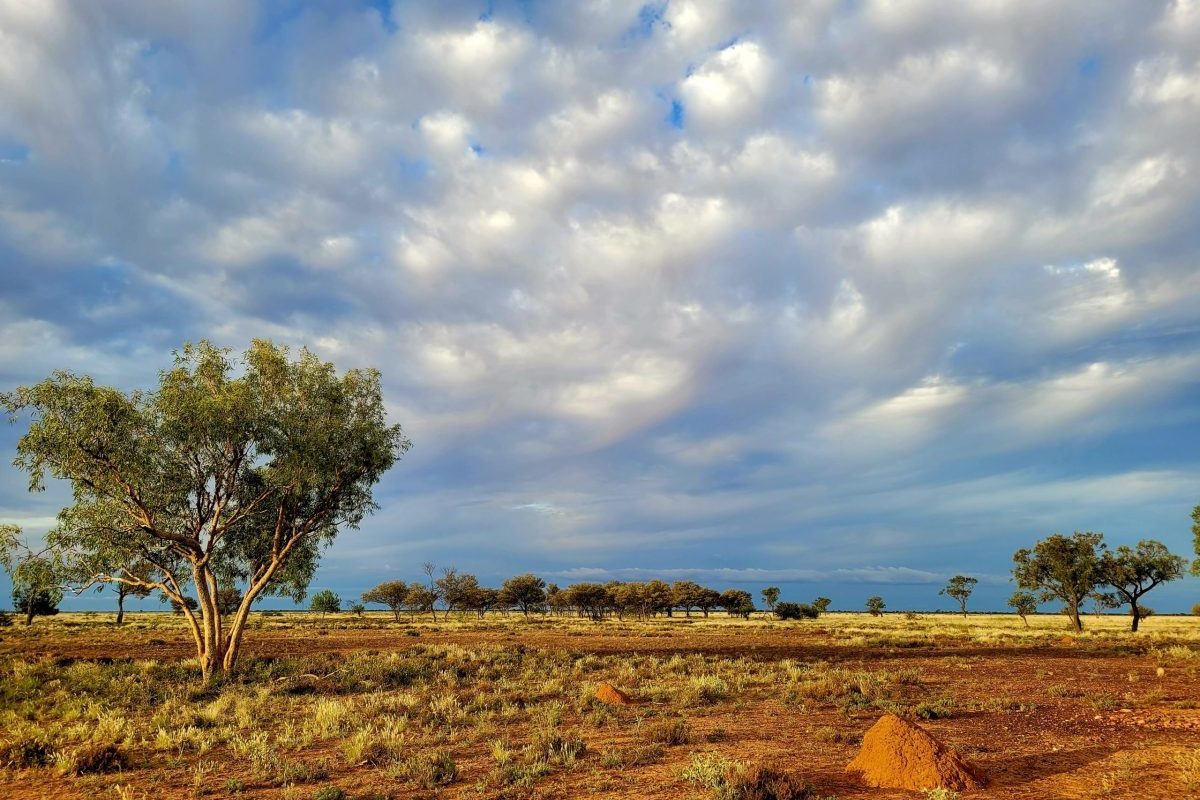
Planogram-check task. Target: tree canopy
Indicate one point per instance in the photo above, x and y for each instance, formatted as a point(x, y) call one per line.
point(326, 602)
point(230, 472)
point(1065, 568)
point(1132, 572)
point(960, 588)
point(1024, 603)
point(526, 592)
point(37, 575)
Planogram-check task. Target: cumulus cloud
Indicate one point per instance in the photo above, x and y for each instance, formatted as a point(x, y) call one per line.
point(740, 285)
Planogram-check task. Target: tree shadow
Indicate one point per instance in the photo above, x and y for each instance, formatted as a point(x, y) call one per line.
point(1019, 770)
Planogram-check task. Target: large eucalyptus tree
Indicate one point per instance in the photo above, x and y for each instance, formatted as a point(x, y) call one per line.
point(230, 473)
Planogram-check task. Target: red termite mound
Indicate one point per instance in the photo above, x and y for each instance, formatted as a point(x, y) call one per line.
point(607, 693)
point(896, 754)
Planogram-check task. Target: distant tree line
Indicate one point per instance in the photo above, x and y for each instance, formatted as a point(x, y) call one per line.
point(451, 590)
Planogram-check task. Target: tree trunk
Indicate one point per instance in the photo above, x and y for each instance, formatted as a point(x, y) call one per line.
point(1025, 620)
point(1137, 616)
point(1076, 622)
point(28, 613)
point(120, 608)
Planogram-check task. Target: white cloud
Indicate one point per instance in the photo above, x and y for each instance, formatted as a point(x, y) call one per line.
point(886, 244)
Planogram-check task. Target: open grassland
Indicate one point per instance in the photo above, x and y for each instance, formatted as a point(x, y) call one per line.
point(503, 707)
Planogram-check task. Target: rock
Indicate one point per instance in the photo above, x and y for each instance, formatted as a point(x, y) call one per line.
point(896, 754)
point(607, 693)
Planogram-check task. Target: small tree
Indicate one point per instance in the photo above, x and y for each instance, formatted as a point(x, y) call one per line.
point(1065, 568)
point(128, 590)
point(1102, 601)
point(737, 603)
point(686, 595)
point(186, 601)
point(1196, 539)
point(1132, 572)
point(37, 575)
point(326, 602)
point(34, 602)
point(357, 609)
point(960, 588)
point(875, 605)
point(526, 592)
point(393, 594)
point(457, 589)
point(770, 596)
point(422, 598)
point(1024, 603)
point(821, 604)
point(708, 599)
point(657, 596)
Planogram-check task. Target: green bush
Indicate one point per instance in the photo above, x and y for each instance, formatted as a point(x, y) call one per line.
point(670, 732)
point(795, 611)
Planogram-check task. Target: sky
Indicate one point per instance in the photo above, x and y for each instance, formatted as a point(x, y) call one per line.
point(846, 297)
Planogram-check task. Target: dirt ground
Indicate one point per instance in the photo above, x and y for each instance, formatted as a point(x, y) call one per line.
point(1047, 717)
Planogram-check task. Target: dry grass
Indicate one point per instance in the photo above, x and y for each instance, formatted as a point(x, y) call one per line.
point(505, 708)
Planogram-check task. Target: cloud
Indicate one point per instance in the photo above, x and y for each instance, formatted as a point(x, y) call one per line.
point(867, 575)
point(740, 285)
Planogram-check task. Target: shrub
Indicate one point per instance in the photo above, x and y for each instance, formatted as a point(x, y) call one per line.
point(1196, 609)
point(936, 709)
point(550, 747)
point(91, 759)
point(25, 751)
point(670, 732)
point(434, 771)
point(758, 782)
point(329, 793)
point(795, 611)
point(705, 690)
point(740, 780)
point(5, 619)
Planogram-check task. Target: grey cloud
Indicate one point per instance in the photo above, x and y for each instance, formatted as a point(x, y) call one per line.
point(894, 253)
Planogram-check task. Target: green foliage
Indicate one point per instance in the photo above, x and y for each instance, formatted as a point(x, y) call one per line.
point(37, 576)
point(741, 780)
point(1132, 572)
point(770, 596)
point(670, 732)
point(525, 592)
point(1065, 568)
point(796, 611)
point(36, 602)
point(326, 602)
point(1196, 539)
point(228, 472)
point(392, 594)
point(1024, 603)
point(960, 588)
point(875, 605)
point(187, 601)
point(737, 602)
point(357, 609)
point(821, 604)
